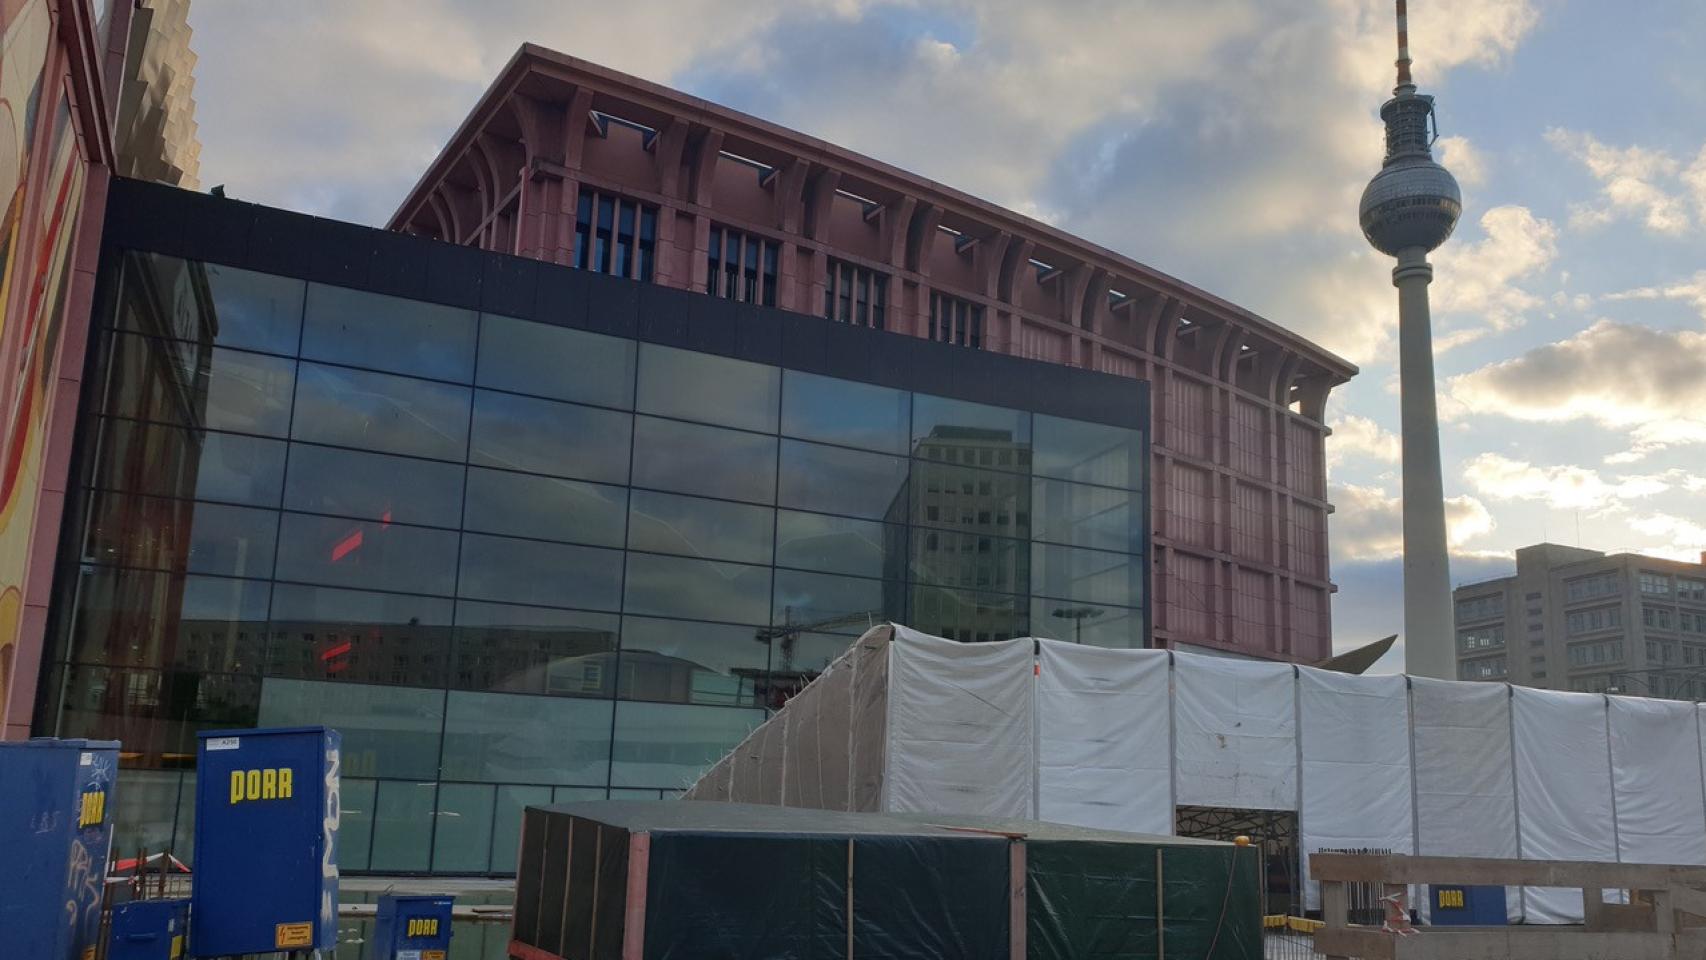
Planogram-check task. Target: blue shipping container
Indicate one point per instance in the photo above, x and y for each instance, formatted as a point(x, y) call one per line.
point(56, 798)
point(411, 927)
point(266, 842)
point(1467, 906)
point(149, 930)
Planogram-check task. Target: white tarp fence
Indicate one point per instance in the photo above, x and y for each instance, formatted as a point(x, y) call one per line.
point(1120, 738)
point(1354, 747)
point(1104, 725)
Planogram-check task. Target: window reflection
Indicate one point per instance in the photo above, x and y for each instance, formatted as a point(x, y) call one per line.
point(680, 661)
point(845, 412)
point(668, 745)
point(556, 362)
point(835, 480)
point(512, 649)
point(707, 461)
point(387, 333)
point(366, 554)
point(505, 738)
point(696, 589)
point(967, 500)
point(373, 486)
point(199, 464)
point(133, 617)
point(941, 420)
point(542, 436)
point(552, 574)
point(547, 508)
point(1089, 452)
point(181, 535)
point(462, 838)
point(156, 714)
point(506, 822)
point(355, 822)
point(865, 548)
point(824, 602)
point(1086, 516)
point(973, 561)
point(1090, 623)
point(318, 633)
point(211, 303)
point(967, 615)
point(713, 529)
point(381, 412)
point(194, 385)
point(699, 386)
point(387, 731)
point(402, 826)
point(1091, 576)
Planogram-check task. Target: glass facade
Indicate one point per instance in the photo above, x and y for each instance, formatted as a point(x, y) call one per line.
point(512, 561)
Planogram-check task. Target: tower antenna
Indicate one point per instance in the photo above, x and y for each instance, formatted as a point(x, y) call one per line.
point(1404, 48)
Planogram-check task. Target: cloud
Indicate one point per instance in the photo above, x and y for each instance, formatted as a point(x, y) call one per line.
point(1463, 159)
point(1691, 291)
point(1651, 383)
point(1634, 182)
point(1368, 523)
point(1481, 278)
point(1498, 477)
point(1362, 437)
point(1686, 539)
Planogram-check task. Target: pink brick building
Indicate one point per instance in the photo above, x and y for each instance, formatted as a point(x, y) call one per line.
point(566, 161)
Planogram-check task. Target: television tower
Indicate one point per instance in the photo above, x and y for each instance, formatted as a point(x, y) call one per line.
point(1407, 210)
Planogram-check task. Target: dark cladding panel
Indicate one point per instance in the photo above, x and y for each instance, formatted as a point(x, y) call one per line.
point(340, 253)
point(759, 332)
point(804, 345)
point(663, 315)
point(399, 265)
point(508, 285)
point(279, 242)
point(453, 274)
point(612, 305)
point(560, 296)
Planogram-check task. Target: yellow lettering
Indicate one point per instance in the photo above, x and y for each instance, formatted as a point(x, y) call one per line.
point(93, 809)
point(236, 786)
point(253, 778)
point(269, 784)
point(284, 783)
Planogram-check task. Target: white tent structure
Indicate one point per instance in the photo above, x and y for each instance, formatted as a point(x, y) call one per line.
point(1116, 739)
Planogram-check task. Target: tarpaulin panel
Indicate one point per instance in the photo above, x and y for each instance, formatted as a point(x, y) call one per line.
point(1090, 900)
point(1563, 790)
point(867, 726)
point(556, 876)
point(960, 726)
point(528, 875)
point(1236, 726)
point(929, 899)
point(1212, 902)
point(734, 896)
point(582, 902)
point(1465, 796)
point(1655, 775)
point(816, 742)
point(1104, 754)
point(611, 900)
point(1355, 743)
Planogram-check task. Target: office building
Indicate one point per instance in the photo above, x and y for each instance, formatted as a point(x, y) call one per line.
point(1575, 619)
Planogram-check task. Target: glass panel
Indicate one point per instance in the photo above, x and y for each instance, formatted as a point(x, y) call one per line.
point(388, 333)
point(844, 412)
point(387, 731)
point(132, 617)
point(957, 423)
point(170, 462)
point(817, 599)
point(402, 827)
point(508, 649)
point(556, 362)
point(207, 302)
point(507, 738)
point(972, 561)
point(1089, 452)
point(157, 534)
point(668, 745)
point(352, 637)
point(1086, 516)
point(1091, 576)
point(183, 838)
point(972, 501)
point(834, 480)
point(967, 615)
point(144, 810)
point(355, 822)
point(697, 589)
point(684, 662)
point(543, 436)
point(864, 548)
point(155, 714)
point(199, 386)
point(366, 554)
point(705, 460)
point(699, 386)
point(714, 529)
point(373, 486)
point(528, 571)
point(378, 411)
point(506, 822)
point(577, 794)
point(1092, 623)
point(463, 841)
point(525, 505)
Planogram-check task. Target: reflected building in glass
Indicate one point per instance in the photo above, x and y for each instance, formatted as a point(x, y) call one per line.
point(568, 545)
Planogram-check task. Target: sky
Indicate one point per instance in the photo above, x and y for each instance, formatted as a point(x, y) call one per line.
point(1223, 141)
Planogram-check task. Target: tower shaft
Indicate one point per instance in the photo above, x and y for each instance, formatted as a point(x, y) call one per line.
point(1428, 648)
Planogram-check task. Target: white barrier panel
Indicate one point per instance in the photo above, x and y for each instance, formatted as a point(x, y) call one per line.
point(1236, 728)
point(1104, 751)
point(961, 727)
point(1355, 742)
point(1465, 794)
point(1655, 776)
point(1563, 790)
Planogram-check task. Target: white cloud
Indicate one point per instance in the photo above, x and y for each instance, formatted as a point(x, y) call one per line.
point(1368, 523)
point(1634, 181)
point(1481, 278)
point(1362, 437)
point(1650, 383)
point(1565, 487)
point(1691, 291)
point(1694, 178)
point(1685, 539)
point(1463, 159)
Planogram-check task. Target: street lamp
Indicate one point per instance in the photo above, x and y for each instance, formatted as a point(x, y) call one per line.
point(1077, 615)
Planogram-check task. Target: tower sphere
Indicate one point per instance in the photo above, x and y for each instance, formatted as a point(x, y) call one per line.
point(1412, 203)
